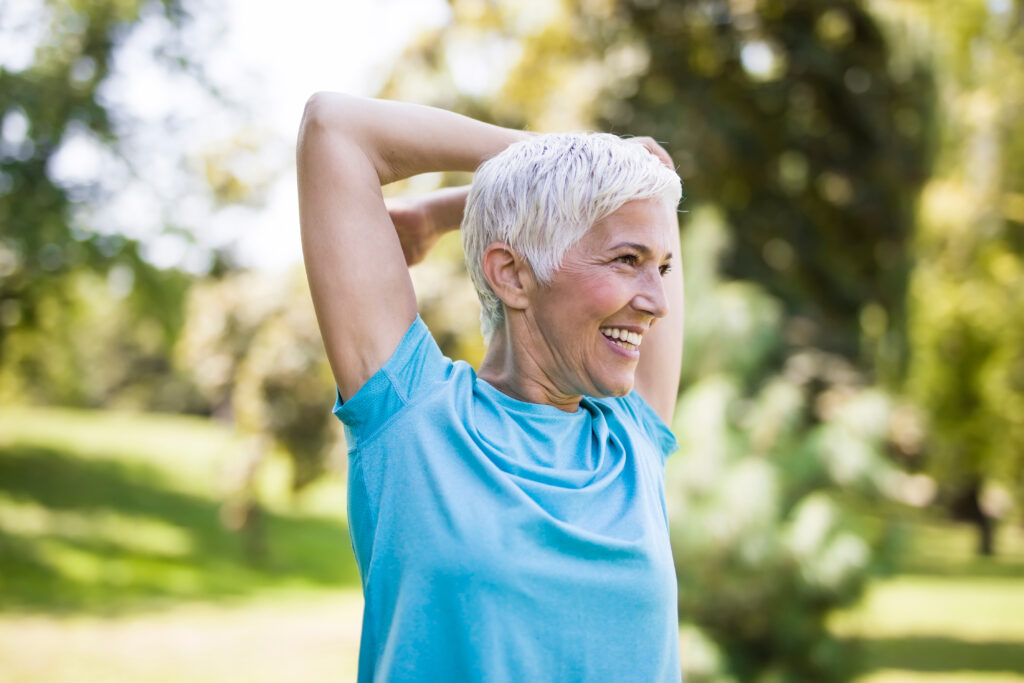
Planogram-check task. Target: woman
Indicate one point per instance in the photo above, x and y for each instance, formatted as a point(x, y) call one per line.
point(509, 523)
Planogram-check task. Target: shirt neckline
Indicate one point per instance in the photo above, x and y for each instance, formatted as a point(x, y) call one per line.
point(514, 404)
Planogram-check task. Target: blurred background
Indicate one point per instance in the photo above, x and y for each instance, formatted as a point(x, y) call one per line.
point(847, 501)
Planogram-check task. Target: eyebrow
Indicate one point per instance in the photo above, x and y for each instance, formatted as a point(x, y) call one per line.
point(642, 248)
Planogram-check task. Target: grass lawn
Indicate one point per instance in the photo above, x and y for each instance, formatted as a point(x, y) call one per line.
point(108, 512)
point(306, 637)
point(946, 615)
point(114, 566)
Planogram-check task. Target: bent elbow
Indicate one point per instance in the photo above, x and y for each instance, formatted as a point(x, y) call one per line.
point(322, 117)
point(333, 114)
point(317, 112)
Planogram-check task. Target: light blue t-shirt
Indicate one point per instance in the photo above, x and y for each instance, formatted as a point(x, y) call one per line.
point(504, 541)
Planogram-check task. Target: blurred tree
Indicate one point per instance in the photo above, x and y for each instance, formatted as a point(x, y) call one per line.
point(760, 491)
point(252, 345)
point(447, 301)
point(56, 100)
point(967, 294)
point(222, 317)
point(92, 345)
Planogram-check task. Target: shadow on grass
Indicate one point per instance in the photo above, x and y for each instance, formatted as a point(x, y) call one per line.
point(934, 654)
point(1000, 566)
point(924, 542)
point(82, 561)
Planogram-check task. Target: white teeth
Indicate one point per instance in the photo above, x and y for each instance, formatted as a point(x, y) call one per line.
point(620, 335)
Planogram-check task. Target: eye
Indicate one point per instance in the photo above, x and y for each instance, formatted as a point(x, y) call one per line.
point(628, 259)
point(665, 269)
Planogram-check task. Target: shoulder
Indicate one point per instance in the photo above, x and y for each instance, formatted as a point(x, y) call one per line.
point(415, 366)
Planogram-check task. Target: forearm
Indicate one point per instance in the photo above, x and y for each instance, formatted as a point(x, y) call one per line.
point(444, 207)
point(420, 221)
point(401, 139)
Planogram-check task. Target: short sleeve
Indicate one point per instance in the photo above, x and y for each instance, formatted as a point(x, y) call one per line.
point(651, 423)
point(416, 364)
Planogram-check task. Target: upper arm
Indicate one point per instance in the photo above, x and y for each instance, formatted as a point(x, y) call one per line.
point(661, 356)
point(362, 293)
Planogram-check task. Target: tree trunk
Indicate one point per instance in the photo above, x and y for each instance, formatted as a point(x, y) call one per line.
point(966, 506)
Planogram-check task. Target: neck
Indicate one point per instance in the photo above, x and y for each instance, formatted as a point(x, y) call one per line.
point(514, 369)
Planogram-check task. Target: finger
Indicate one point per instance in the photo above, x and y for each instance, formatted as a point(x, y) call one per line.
point(657, 150)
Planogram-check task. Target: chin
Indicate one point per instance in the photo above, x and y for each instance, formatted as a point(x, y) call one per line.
point(616, 389)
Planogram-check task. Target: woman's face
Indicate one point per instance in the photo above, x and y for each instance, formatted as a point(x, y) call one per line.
point(588, 324)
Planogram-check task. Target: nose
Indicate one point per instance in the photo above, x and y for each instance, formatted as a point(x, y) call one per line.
point(651, 297)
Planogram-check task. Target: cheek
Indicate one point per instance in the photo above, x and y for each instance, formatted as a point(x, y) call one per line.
point(604, 296)
point(586, 298)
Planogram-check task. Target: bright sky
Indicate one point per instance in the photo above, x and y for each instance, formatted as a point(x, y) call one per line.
point(268, 55)
point(290, 50)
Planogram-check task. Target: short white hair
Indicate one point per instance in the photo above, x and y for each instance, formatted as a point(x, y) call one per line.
point(541, 195)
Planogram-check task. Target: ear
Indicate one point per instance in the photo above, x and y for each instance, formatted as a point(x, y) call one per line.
point(509, 275)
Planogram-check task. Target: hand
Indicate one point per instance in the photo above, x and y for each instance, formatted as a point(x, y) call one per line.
point(416, 230)
point(421, 221)
point(657, 150)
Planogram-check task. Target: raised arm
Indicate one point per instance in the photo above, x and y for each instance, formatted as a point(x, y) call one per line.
point(348, 148)
point(661, 357)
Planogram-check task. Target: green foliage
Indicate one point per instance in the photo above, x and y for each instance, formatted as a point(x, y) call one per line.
point(49, 240)
point(791, 118)
point(760, 560)
point(92, 344)
point(967, 294)
point(252, 345)
point(447, 301)
point(772, 454)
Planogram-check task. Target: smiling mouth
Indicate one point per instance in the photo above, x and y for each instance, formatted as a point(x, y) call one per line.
point(622, 337)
